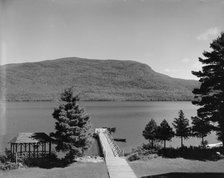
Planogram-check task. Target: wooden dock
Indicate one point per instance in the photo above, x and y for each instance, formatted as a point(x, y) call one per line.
point(116, 164)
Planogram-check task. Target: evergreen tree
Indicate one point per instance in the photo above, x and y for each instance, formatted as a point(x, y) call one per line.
point(200, 128)
point(210, 95)
point(181, 125)
point(150, 132)
point(73, 129)
point(165, 132)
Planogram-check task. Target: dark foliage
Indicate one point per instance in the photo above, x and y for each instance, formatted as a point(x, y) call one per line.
point(164, 132)
point(181, 125)
point(150, 132)
point(73, 130)
point(5, 161)
point(46, 162)
point(6, 157)
point(133, 157)
point(144, 152)
point(200, 128)
point(3, 158)
point(210, 95)
point(195, 153)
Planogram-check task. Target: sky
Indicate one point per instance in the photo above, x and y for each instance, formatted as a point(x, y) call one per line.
point(168, 35)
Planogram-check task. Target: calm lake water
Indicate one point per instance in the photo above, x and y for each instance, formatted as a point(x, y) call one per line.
point(129, 118)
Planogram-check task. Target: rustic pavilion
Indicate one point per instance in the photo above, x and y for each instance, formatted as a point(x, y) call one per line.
point(31, 145)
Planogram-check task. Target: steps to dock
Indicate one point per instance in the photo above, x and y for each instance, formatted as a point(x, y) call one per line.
point(117, 166)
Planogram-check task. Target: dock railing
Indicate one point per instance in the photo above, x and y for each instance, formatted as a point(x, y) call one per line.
point(116, 149)
point(117, 152)
point(117, 165)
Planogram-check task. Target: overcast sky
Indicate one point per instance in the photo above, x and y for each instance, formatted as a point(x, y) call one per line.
point(168, 35)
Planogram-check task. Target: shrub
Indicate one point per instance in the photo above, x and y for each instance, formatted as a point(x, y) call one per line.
point(5, 161)
point(133, 157)
point(144, 152)
point(7, 157)
point(43, 162)
point(9, 166)
point(198, 153)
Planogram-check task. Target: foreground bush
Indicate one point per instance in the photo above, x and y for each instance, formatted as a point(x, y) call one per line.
point(5, 161)
point(10, 166)
point(45, 162)
point(144, 152)
point(197, 153)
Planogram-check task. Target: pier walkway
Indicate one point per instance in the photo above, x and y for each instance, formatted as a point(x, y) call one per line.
point(116, 164)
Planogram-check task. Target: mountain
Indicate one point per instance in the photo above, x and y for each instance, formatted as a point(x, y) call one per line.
point(92, 80)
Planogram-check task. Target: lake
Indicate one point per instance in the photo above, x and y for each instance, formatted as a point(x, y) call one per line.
point(129, 118)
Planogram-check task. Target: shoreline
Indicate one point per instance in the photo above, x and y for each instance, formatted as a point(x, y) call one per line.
point(36, 101)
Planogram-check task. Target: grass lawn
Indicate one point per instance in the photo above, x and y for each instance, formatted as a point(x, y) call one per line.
point(98, 170)
point(79, 170)
point(162, 165)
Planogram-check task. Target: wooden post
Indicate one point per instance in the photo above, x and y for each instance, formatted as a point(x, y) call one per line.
point(16, 157)
point(16, 152)
point(25, 153)
point(21, 148)
point(11, 147)
point(42, 144)
point(12, 150)
point(49, 148)
point(34, 149)
point(25, 147)
point(45, 148)
point(37, 149)
point(29, 150)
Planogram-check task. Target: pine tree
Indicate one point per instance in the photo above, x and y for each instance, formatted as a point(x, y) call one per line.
point(210, 95)
point(181, 125)
point(200, 128)
point(165, 132)
point(150, 132)
point(73, 129)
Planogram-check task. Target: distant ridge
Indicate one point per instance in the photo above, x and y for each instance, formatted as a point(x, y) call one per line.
point(92, 80)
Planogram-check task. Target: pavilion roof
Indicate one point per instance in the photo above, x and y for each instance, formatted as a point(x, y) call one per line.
point(31, 138)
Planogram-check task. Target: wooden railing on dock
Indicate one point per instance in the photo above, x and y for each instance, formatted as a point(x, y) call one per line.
point(115, 148)
point(117, 165)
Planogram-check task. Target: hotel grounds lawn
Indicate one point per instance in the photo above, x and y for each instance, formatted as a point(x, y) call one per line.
point(162, 165)
point(79, 170)
point(141, 168)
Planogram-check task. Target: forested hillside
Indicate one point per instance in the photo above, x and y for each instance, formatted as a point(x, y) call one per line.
point(92, 80)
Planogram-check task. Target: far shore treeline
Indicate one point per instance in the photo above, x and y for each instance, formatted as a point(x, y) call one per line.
point(155, 133)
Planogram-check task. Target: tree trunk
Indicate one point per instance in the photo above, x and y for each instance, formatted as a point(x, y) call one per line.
point(152, 143)
point(202, 142)
point(164, 144)
point(181, 138)
point(82, 151)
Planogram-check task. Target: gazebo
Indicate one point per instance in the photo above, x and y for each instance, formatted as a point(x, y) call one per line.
point(31, 145)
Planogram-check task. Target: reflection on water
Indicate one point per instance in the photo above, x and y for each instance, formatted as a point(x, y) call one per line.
point(129, 118)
